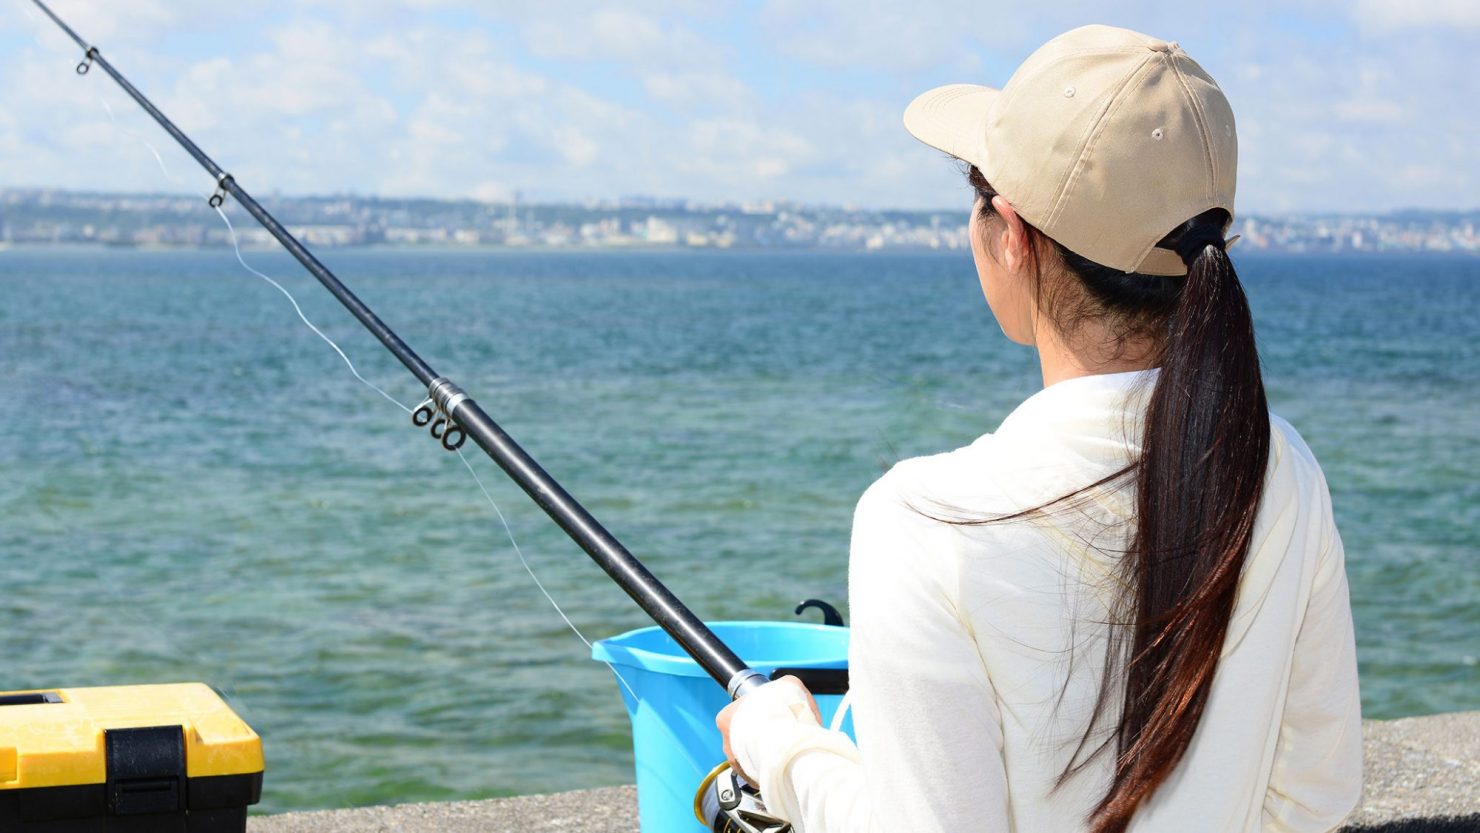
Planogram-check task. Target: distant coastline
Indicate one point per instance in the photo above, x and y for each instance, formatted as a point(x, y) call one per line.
point(169, 221)
point(260, 246)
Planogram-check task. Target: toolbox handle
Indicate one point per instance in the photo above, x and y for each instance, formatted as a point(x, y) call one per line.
point(30, 698)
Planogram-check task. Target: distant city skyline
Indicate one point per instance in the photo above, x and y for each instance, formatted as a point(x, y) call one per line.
point(635, 200)
point(50, 217)
point(1361, 106)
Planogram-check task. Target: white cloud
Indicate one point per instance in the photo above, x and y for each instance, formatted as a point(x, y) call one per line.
point(735, 151)
point(707, 90)
point(617, 35)
point(710, 100)
point(1374, 95)
point(489, 191)
point(1383, 15)
point(484, 113)
point(869, 33)
point(131, 22)
point(575, 146)
point(1369, 110)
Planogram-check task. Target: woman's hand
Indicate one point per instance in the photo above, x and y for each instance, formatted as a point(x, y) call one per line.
point(784, 699)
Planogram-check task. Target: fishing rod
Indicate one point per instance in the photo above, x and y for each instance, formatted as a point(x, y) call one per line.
point(452, 416)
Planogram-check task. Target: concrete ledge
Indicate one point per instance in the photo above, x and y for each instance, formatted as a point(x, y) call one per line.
point(1423, 776)
point(606, 810)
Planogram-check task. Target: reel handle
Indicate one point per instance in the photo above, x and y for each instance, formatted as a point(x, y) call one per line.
point(727, 803)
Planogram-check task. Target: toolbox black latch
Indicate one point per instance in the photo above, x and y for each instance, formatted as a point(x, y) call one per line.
point(146, 770)
point(30, 698)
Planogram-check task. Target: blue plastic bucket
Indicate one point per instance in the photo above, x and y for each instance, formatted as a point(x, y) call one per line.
point(674, 740)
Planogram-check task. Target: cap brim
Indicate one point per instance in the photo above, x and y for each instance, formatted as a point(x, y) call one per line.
point(953, 119)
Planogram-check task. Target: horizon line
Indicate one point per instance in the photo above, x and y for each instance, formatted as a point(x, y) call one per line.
point(686, 203)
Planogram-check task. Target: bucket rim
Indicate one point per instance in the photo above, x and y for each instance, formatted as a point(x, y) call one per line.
point(611, 650)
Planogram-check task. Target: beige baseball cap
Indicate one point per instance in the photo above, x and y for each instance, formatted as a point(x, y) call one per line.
point(1104, 139)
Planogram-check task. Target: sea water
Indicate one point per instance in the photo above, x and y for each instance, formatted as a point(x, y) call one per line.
point(193, 486)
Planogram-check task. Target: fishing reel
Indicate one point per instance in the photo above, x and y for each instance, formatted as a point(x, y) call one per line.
point(436, 412)
point(727, 803)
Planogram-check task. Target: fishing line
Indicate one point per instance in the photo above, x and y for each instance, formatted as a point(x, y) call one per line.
point(463, 415)
point(235, 244)
point(149, 633)
point(537, 583)
point(297, 308)
point(508, 530)
point(132, 134)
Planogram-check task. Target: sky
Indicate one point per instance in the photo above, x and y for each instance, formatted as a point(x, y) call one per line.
point(1358, 106)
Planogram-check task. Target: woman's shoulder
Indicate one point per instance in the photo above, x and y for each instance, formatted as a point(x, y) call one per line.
point(1287, 434)
point(999, 473)
point(905, 532)
point(936, 477)
point(915, 506)
point(1291, 460)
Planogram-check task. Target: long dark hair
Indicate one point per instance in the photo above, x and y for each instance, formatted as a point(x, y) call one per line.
point(1198, 483)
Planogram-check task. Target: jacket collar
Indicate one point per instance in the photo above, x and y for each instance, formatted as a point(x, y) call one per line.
point(1085, 404)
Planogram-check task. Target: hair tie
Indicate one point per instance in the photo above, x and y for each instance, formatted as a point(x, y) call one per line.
point(1191, 244)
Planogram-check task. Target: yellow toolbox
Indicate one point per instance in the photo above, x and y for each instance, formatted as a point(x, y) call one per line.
point(126, 759)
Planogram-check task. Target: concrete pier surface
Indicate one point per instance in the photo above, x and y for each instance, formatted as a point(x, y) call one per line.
point(1422, 776)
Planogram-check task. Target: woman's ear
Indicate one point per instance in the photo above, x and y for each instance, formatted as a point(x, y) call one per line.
point(1015, 244)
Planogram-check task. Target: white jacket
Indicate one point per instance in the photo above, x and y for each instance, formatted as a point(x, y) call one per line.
point(977, 651)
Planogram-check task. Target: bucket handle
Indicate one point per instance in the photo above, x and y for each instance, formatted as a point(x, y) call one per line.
point(830, 614)
point(819, 681)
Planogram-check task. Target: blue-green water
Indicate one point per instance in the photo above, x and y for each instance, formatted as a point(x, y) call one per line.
point(195, 488)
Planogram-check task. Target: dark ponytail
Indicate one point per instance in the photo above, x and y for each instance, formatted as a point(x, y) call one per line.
point(1198, 484)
